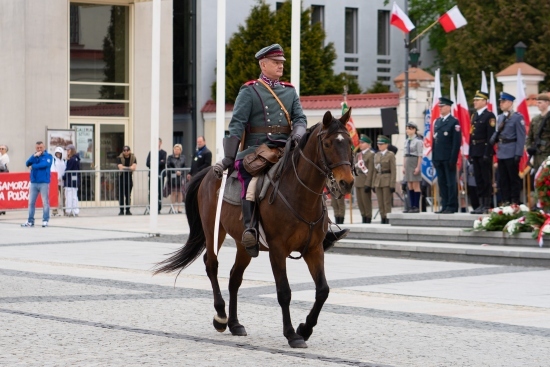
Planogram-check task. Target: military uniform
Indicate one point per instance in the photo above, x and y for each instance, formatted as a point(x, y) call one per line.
point(510, 140)
point(481, 153)
point(384, 180)
point(446, 145)
point(363, 182)
point(339, 208)
point(542, 149)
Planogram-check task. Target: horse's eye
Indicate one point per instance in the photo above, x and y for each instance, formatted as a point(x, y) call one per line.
point(326, 144)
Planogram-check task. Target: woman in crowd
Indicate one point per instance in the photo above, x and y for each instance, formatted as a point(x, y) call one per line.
point(4, 160)
point(72, 182)
point(59, 166)
point(175, 161)
point(412, 166)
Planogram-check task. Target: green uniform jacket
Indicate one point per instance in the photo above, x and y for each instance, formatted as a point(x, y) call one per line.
point(255, 106)
point(362, 179)
point(384, 166)
point(543, 150)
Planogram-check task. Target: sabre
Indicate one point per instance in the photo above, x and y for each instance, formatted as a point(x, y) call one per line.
point(218, 212)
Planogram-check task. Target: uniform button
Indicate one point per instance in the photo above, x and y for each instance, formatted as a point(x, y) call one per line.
point(268, 120)
point(268, 113)
point(281, 113)
point(266, 107)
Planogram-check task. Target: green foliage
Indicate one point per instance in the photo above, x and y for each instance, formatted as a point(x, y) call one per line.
point(264, 27)
point(378, 87)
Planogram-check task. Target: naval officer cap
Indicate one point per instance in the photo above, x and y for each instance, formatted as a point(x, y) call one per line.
point(506, 97)
point(445, 101)
point(481, 95)
point(365, 139)
point(274, 52)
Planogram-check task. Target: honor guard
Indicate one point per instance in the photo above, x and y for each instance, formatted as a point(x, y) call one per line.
point(364, 169)
point(510, 139)
point(538, 138)
point(446, 144)
point(384, 178)
point(482, 127)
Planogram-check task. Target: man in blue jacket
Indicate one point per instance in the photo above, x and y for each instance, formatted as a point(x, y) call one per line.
point(39, 163)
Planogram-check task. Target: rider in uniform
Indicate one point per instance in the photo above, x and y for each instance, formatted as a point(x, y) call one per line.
point(259, 118)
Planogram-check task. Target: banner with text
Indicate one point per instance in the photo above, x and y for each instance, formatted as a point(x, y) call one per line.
point(14, 191)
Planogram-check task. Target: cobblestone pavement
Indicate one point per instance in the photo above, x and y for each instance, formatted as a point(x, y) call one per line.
point(83, 296)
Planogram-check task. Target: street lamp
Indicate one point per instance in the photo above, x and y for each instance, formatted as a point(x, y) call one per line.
point(520, 48)
point(411, 57)
point(414, 57)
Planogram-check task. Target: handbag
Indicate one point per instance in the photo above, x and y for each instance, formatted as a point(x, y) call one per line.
point(261, 159)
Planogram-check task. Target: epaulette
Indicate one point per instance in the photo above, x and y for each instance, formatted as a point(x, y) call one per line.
point(286, 84)
point(250, 82)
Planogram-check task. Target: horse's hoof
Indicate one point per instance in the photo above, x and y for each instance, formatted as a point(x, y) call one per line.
point(303, 331)
point(297, 343)
point(220, 323)
point(238, 330)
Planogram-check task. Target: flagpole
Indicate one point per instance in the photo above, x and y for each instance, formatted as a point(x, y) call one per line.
point(424, 31)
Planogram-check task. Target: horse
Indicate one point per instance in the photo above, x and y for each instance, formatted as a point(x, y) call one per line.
point(294, 219)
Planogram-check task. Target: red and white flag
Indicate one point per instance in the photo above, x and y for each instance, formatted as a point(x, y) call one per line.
point(453, 19)
point(400, 20)
point(521, 107)
point(492, 105)
point(452, 94)
point(435, 114)
point(463, 118)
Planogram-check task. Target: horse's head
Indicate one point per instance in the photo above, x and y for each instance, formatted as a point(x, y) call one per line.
point(336, 149)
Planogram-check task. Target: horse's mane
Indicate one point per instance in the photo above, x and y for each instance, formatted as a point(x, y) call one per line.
point(333, 127)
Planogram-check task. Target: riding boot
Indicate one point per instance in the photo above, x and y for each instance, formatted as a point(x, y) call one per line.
point(332, 237)
point(250, 234)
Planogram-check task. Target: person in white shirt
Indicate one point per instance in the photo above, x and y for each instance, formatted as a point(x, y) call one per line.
point(59, 166)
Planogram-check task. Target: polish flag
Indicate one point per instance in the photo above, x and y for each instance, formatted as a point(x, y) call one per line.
point(435, 114)
point(400, 20)
point(483, 82)
point(492, 105)
point(521, 107)
point(463, 119)
point(350, 126)
point(452, 94)
point(453, 19)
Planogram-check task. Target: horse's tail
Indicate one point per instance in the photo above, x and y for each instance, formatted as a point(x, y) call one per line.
point(196, 242)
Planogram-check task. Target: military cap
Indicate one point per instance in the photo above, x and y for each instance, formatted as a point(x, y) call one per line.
point(543, 97)
point(481, 95)
point(274, 52)
point(382, 139)
point(445, 101)
point(506, 97)
point(412, 124)
point(365, 139)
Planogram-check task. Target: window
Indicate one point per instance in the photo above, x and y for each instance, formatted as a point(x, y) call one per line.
point(351, 31)
point(99, 60)
point(318, 15)
point(383, 32)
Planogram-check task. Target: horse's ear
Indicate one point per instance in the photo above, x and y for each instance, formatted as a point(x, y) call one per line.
point(345, 118)
point(327, 119)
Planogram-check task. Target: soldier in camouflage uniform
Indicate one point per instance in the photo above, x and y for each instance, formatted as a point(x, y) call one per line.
point(537, 146)
point(260, 119)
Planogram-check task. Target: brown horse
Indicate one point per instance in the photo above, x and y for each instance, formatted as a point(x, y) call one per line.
point(293, 219)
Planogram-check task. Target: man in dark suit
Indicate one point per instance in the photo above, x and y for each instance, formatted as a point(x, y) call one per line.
point(201, 159)
point(481, 151)
point(446, 144)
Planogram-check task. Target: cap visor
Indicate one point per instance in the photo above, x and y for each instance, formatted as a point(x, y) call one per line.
point(276, 58)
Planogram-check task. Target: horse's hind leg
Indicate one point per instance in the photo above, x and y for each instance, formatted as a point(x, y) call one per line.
point(211, 262)
point(315, 262)
point(278, 265)
point(235, 280)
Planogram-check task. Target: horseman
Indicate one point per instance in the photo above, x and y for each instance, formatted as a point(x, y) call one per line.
point(266, 111)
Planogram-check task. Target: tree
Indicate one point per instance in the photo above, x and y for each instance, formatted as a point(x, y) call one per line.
point(264, 27)
point(378, 87)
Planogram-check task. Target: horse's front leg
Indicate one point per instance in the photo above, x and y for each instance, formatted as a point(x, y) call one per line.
point(315, 262)
point(278, 265)
point(220, 318)
point(235, 280)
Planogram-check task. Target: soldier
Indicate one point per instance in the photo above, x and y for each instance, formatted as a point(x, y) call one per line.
point(538, 138)
point(339, 208)
point(481, 152)
point(446, 144)
point(384, 178)
point(364, 169)
point(510, 137)
point(265, 121)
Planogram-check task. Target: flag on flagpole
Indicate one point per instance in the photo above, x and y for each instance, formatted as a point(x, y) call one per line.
point(521, 107)
point(483, 81)
point(492, 106)
point(453, 19)
point(400, 20)
point(350, 126)
point(452, 94)
point(463, 118)
point(428, 172)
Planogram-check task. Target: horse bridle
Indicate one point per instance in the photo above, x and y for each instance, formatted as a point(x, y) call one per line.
point(326, 169)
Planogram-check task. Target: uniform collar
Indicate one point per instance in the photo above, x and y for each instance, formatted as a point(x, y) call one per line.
point(480, 111)
point(271, 83)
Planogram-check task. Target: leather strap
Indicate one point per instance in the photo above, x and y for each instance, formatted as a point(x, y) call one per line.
point(278, 100)
point(273, 129)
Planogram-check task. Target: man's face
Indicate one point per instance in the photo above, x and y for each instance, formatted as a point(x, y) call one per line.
point(479, 103)
point(200, 143)
point(506, 105)
point(39, 147)
point(543, 105)
point(126, 152)
point(445, 109)
point(273, 69)
point(363, 145)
